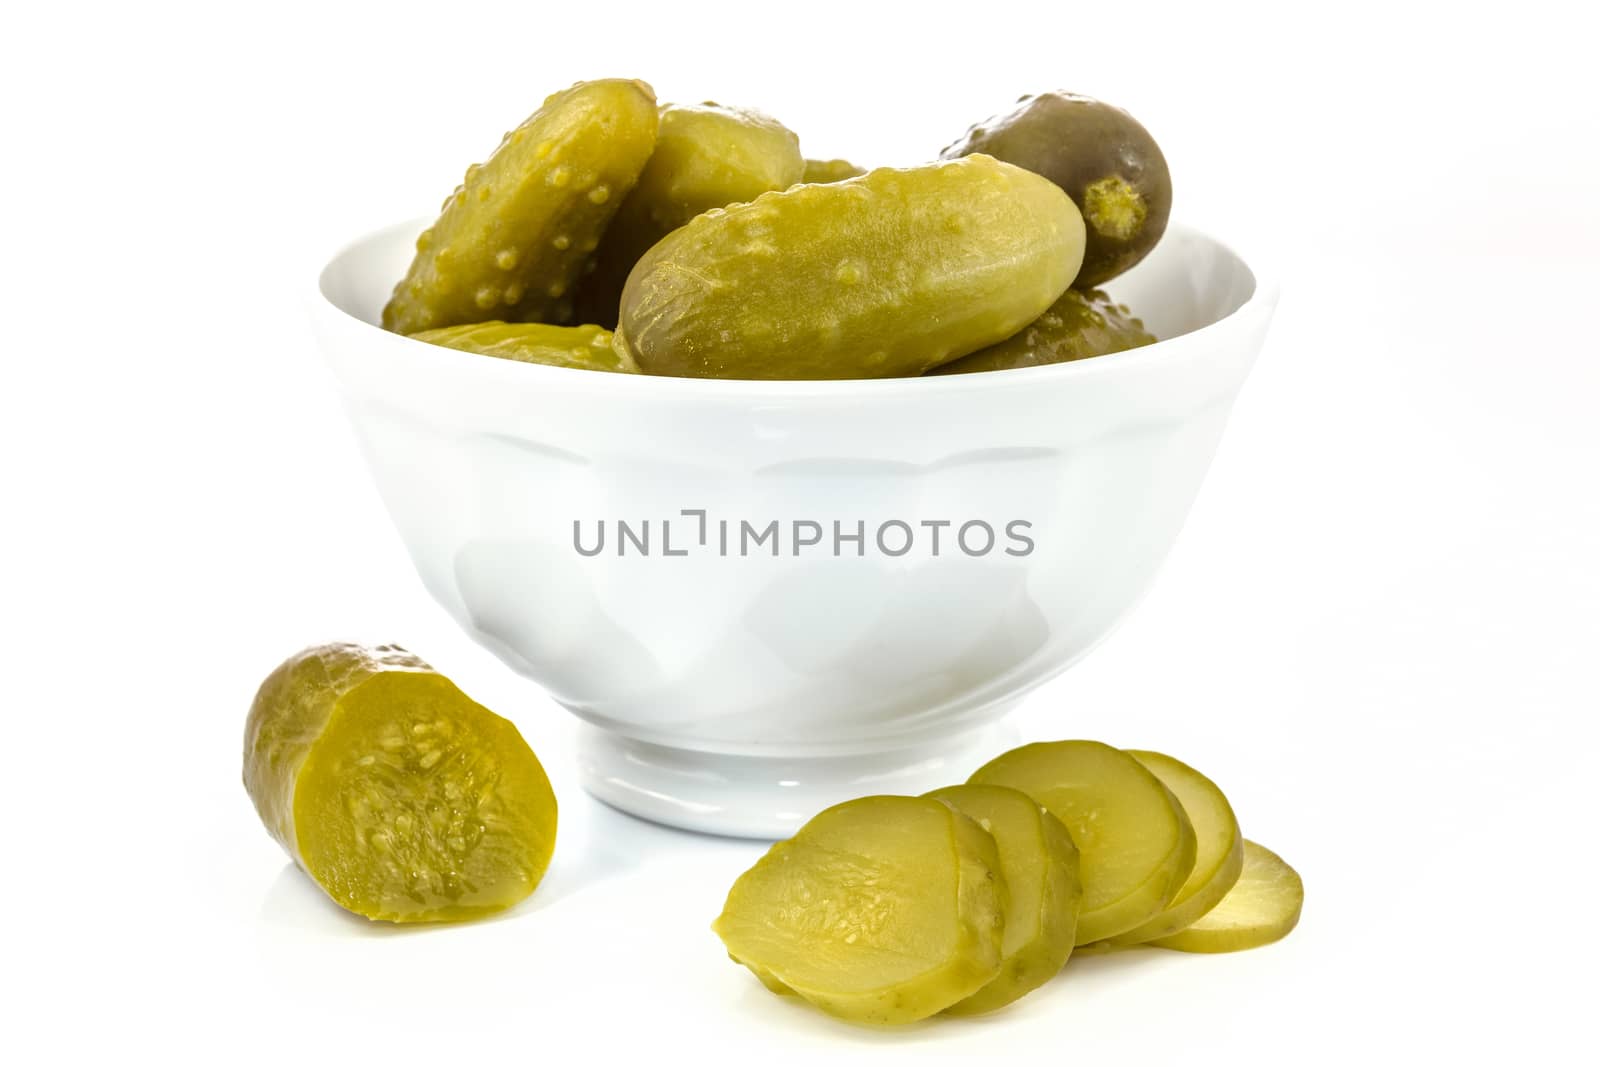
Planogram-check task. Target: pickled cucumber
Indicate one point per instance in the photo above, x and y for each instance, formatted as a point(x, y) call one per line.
point(579, 347)
point(823, 171)
point(706, 156)
point(1105, 160)
point(888, 274)
point(879, 910)
point(514, 237)
point(400, 797)
point(1135, 844)
point(1040, 866)
point(1219, 847)
point(1079, 325)
point(1262, 907)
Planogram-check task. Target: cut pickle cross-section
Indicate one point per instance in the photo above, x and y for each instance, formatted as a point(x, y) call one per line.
point(1219, 847)
point(1135, 844)
point(401, 797)
point(1263, 906)
point(1040, 865)
point(879, 910)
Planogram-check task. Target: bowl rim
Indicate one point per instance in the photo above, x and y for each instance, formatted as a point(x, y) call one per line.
point(1257, 305)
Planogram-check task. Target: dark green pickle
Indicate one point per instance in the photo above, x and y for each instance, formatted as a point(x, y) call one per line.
point(1078, 326)
point(579, 347)
point(1104, 159)
point(706, 156)
point(515, 237)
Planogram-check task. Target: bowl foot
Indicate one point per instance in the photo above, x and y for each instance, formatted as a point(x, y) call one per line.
point(767, 797)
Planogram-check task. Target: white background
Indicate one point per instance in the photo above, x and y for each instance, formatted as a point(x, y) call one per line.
point(1379, 631)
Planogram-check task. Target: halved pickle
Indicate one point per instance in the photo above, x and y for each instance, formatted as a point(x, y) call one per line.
point(1262, 907)
point(882, 910)
point(1040, 866)
point(1219, 847)
point(398, 794)
point(1135, 844)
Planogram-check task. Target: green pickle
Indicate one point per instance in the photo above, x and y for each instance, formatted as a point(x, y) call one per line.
point(1039, 863)
point(1136, 845)
point(823, 171)
point(706, 156)
point(514, 238)
point(1078, 326)
point(579, 347)
point(1219, 848)
point(885, 275)
point(1262, 907)
point(1105, 160)
point(882, 910)
point(397, 794)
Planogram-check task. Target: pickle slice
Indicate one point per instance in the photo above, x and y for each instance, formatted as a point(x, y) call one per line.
point(1262, 907)
point(1135, 844)
point(401, 797)
point(513, 239)
point(1040, 866)
point(578, 347)
point(879, 910)
point(1219, 847)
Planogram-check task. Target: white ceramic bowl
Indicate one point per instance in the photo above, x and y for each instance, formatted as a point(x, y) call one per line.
point(738, 691)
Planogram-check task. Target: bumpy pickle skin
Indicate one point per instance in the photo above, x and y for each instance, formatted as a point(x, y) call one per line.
point(1040, 866)
point(706, 156)
point(1078, 326)
point(1105, 160)
point(884, 275)
point(881, 911)
point(1219, 847)
point(398, 795)
point(1136, 845)
point(514, 238)
point(578, 347)
point(1262, 907)
point(824, 171)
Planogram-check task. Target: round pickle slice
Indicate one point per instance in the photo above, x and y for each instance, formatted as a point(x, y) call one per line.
point(401, 797)
point(1040, 866)
point(1219, 847)
point(513, 239)
point(1135, 844)
point(1262, 907)
point(706, 156)
point(824, 171)
point(888, 274)
point(578, 347)
point(881, 910)
point(1078, 326)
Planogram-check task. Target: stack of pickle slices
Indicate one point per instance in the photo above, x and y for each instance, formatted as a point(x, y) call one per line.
point(889, 909)
point(611, 233)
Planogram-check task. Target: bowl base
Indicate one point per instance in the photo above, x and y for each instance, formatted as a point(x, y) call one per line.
point(767, 797)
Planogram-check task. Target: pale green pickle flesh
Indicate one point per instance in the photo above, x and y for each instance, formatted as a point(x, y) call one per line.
point(398, 795)
point(1040, 865)
point(1135, 844)
point(578, 347)
point(882, 910)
